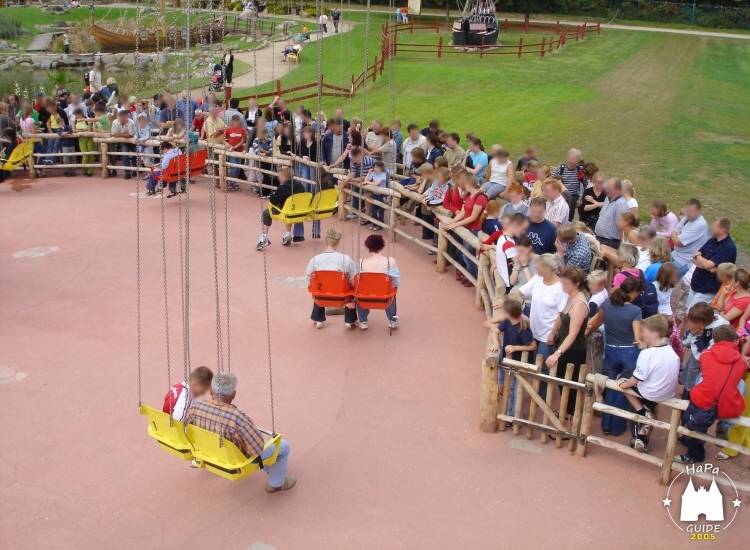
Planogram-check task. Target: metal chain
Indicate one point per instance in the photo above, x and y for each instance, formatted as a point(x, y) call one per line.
point(392, 108)
point(166, 296)
point(219, 352)
point(138, 216)
point(265, 262)
point(185, 276)
point(364, 122)
point(226, 267)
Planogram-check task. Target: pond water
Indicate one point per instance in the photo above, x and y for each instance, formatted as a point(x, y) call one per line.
point(13, 80)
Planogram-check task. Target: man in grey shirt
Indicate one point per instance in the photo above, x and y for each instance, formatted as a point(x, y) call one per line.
point(234, 105)
point(607, 231)
point(689, 236)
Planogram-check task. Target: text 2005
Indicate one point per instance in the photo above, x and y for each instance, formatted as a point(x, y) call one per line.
point(702, 536)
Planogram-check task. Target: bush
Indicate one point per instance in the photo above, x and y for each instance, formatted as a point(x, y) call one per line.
point(10, 28)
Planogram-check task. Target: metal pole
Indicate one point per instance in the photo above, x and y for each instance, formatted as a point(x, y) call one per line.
point(692, 18)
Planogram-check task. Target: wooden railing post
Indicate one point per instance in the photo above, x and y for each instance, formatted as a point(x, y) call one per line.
point(520, 47)
point(393, 220)
point(374, 69)
point(557, 27)
point(588, 418)
point(488, 405)
point(666, 468)
point(278, 87)
point(222, 170)
point(550, 43)
point(442, 249)
point(440, 48)
point(437, 25)
point(505, 26)
point(342, 201)
point(526, 25)
point(541, 51)
point(103, 148)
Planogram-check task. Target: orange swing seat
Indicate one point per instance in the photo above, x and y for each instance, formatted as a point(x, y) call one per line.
point(374, 290)
point(177, 168)
point(330, 288)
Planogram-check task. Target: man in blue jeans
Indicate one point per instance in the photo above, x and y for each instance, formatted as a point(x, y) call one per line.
point(220, 416)
point(333, 144)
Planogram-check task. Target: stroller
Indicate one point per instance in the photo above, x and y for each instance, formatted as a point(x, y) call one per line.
point(217, 79)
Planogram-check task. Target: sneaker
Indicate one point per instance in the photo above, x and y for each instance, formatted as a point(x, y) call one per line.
point(286, 241)
point(289, 482)
point(127, 176)
point(640, 445)
point(317, 324)
point(263, 242)
point(113, 173)
point(431, 252)
point(150, 193)
point(195, 463)
point(351, 216)
point(298, 239)
point(394, 323)
point(48, 162)
point(459, 276)
point(647, 428)
point(684, 459)
point(172, 194)
point(316, 236)
point(350, 326)
point(363, 325)
point(376, 228)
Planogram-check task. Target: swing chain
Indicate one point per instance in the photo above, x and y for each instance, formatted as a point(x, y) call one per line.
point(212, 204)
point(166, 296)
point(138, 223)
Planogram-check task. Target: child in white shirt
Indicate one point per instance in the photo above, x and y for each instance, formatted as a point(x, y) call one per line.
point(655, 375)
point(597, 283)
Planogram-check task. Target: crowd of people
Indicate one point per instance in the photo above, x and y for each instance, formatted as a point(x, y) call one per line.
point(649, 305)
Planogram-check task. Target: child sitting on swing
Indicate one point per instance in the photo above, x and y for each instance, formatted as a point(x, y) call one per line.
point(287, 188)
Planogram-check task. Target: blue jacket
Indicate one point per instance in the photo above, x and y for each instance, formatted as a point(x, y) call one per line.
point(326, 145)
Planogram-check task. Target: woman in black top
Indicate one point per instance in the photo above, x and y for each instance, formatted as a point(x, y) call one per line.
point(285, 139)
point(308, 150)
point(228, 64)
point(571, 333)
point(592, 202)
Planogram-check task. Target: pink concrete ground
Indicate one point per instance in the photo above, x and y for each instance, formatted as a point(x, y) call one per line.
point(384, 429)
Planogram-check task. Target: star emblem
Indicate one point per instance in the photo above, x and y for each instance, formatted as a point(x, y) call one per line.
point(667, 502)
point(736, 503)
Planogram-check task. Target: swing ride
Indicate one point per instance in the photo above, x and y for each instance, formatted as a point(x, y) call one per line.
point(210, 450)
point(478, 24)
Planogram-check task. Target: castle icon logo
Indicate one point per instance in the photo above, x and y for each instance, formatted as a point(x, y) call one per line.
point(709, 503)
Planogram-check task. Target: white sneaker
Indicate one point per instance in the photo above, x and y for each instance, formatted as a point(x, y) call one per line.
point(363, 325)
point(263, 242)
point(287, 240)
point(351, 216)
point(393, 324)
point(317, 324)
point(350, 326)
point(195, 463)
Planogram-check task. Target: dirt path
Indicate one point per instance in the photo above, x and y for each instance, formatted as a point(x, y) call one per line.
point(267, 64)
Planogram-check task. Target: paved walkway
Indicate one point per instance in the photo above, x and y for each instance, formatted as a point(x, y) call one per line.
point(268, 64)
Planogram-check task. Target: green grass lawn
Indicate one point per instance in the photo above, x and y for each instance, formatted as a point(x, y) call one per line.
point(669, 112)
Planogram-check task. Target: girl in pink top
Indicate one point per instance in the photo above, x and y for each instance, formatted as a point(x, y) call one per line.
point(662, 220)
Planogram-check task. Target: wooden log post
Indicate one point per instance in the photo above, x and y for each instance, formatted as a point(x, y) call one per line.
point(442, 250)
point(440, 48)
point(532, 406)
point(546, 419)
point(393, 219)
point(32, 169)
point(103, 151)
point(374, 70)
point(557, 27)
point(342, 201)
point(551, 39)
point(222, 171)
point(519, 400)
point(580, 398)
point(505, 26)
point(526, 25)
point(588, 418)
point(666, 468)
point(541, 50)
point(563, 399)
point(278, 88)
point(520, 47)
point(482, 283)
point(506, 392)
point(488, 406)
point(437, 25)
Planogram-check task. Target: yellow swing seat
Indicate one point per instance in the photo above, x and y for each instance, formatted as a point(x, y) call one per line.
point(296, 209)
point(222, 457)
point(324, 204)
point(170, 433)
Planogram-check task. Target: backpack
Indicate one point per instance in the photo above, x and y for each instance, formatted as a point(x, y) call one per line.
point(647, 300)
point(579, 173)
point(87, 78)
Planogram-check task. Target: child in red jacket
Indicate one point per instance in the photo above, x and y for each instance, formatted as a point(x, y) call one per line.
point(716, 395)
point(454, 202)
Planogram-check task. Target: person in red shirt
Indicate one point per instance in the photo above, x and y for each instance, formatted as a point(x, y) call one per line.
point(470, 217)
point(716, 395)
point(454, 203)
point(181, 396)
point(235, 137)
